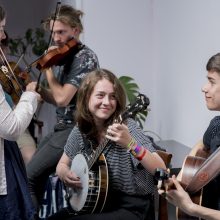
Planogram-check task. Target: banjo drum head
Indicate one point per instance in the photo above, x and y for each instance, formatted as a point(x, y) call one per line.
point(78, 196)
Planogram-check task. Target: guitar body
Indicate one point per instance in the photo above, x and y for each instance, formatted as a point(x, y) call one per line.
point(190, 167)
point(92, 197)
point(196, 173)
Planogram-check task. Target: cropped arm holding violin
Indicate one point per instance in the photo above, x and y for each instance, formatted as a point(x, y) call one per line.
point(14, 122)
point(62, 94)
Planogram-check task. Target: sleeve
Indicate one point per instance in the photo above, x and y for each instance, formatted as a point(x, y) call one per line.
point(211, 133)
point(74, 143)
point(84, 62)
point(14, 122)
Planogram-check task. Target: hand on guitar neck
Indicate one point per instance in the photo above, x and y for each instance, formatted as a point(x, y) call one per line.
point(176, 195)
point(172, 190)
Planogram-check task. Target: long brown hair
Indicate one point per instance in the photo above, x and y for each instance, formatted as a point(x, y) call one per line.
point(83, 116)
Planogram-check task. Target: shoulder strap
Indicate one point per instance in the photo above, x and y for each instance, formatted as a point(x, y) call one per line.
point(208, 171)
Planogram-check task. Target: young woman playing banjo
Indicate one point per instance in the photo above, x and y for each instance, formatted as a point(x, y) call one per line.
point(129, 154)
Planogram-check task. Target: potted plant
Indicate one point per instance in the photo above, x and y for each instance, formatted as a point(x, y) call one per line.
point(132, 90)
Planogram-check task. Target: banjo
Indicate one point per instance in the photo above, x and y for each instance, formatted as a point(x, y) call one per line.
point(93, 170)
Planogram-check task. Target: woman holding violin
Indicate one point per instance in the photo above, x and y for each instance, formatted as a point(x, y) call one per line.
point(13, 181)
point(75, 61)
point(26, 141)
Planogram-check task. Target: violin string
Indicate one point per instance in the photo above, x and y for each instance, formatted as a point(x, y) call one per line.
point(4, 59)
point(19, 60)
point(4, 70)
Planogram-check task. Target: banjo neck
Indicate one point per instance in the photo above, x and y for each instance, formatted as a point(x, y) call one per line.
point(93, 157)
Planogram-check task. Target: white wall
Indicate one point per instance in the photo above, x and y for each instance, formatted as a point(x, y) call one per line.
point(164, 45)
point(188, 34)
point(121, 32)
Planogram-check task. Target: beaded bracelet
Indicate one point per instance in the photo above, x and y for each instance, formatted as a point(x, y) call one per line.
point(136, 150)
point(142, 155)
point(130, 144)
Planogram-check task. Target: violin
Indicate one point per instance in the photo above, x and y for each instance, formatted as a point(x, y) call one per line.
point(10, 84)
point(56, 56)
point(12, 79)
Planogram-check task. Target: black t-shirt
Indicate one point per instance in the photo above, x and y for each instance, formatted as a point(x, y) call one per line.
point(211, 140)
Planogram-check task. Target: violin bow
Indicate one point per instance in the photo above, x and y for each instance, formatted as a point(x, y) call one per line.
point(57, 11)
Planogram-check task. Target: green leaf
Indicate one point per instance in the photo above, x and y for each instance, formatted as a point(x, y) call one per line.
point(132, 90)
point(33, 39)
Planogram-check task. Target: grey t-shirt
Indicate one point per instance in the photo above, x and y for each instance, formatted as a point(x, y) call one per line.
point(75, 68)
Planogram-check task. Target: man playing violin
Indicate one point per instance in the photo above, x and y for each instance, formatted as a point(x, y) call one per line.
point(62, 91)
point(210, 209)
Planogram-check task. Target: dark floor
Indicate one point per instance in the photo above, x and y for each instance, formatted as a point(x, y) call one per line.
point(171, 213)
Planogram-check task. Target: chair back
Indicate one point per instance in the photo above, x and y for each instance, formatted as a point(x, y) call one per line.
point(162, 202)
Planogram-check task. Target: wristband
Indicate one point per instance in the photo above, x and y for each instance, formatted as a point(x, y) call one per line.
point(130, 144)
point(136, 150)
point(142, 155)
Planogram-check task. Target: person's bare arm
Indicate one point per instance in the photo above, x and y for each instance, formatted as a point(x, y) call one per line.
point(65, 174)
point(180, 198)
point(62, 94)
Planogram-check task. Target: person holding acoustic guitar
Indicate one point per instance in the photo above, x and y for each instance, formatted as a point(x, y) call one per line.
point(65, 26)
point(106, 138)
point(210, 207)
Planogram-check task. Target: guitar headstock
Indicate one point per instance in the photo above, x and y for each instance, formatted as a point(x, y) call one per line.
point(140, 104)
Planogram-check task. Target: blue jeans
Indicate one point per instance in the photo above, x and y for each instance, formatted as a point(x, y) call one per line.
point(44, 162)
point(17, 204)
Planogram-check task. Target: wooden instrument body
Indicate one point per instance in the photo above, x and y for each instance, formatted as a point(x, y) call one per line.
point(190, 166)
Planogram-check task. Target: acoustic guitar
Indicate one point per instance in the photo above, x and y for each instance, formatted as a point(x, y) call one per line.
point(93, 170)
point(190, 167)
